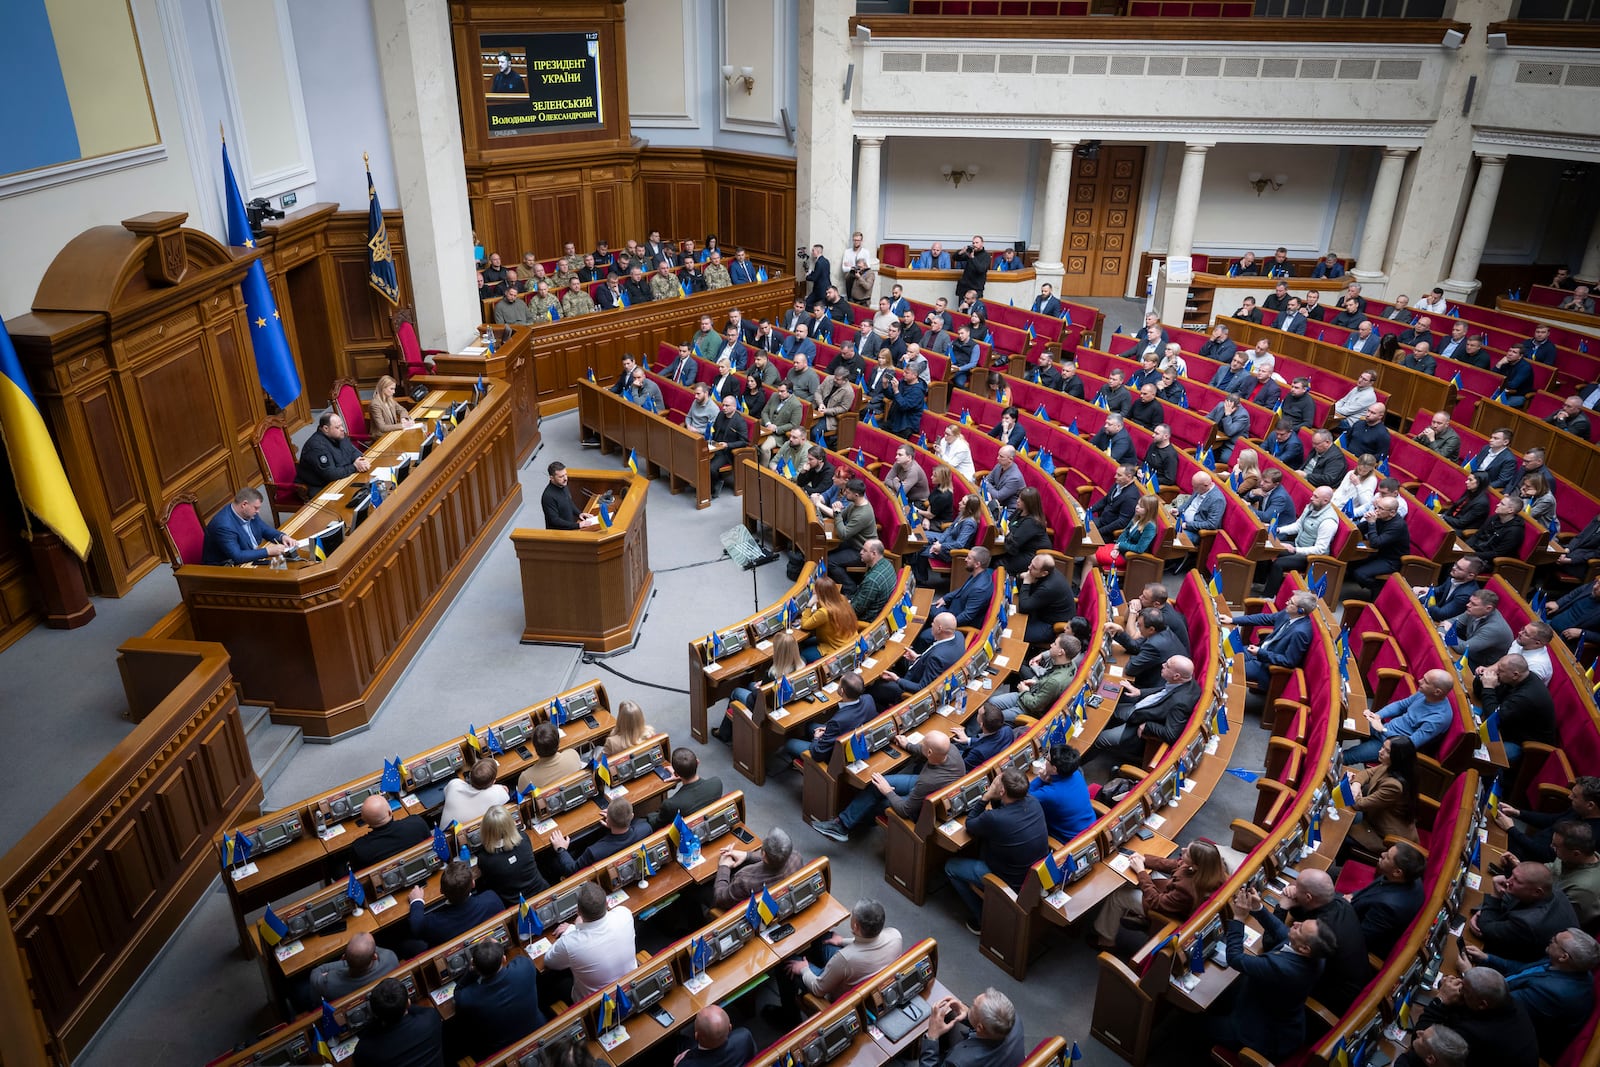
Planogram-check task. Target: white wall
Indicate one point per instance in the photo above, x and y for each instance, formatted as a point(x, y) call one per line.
point(1299, 216)
point(676, 51)
point(920, 205)
point(37, 224)
point(344, 102)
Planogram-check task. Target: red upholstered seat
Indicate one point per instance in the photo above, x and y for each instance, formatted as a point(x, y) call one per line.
point(185, 533)
point(347, 402)
point(409, 357)
point(894, 255)
point(276, 456)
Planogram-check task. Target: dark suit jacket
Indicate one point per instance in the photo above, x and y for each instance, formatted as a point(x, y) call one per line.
point(1519, 931)
point(1389, 539)
point(1369, 347)
point(1144, 669)
point(1451, 601)
point(969, 602)
point(495, 1012)
point(230, 539)
point(684, 371)
point(1292, 323)
point(1346, 972)
point(1385, 910)
point(1120, 446)
point(1498, 473)
point(1166, 718)
point(1221, 350)
point(1290, 640)
point(1277, 506)
point(821, 277)
point(1264, 394)
point(939, 657)
point(1145, 337)
point(687, 800)
point(1014, 438)
point(1527, 713)
point(1557, 1002)
point(1114, 509)
point(609, 845)
point(1269, 1011)
point(417, 1040)
point(848, 717)
point(1499, 1037)
point(394, 836)
point(451, 920)
point(1049, 601)
point(739, 1049)
point(1290, 453)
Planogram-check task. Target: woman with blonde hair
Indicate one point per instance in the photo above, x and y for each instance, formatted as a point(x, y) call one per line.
point(1246, 471)
point(954, 450)
point(1138, 536)
point(505, 859)
point(630, 729)
point(1359, 485)
point(941, 496)
point(1191, 876)
point(385, 411)
point(829, 619)
point(786, 659)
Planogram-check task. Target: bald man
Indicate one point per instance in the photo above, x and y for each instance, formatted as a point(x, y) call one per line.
point(1311, 896)
point(362, 964)
point(1160, 712)
point(902, 792)
point(717, 1043)
point(1423, 716)
point(385, 836)
point(1526, 911)
point(921, 669)
point(1478, 1008)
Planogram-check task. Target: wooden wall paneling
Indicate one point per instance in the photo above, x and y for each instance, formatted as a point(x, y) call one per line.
point(362, 330)
point(754, 199)
point(95, 889)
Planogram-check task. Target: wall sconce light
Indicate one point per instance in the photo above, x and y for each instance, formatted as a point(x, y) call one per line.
point(745, 75)
point(956, 175)
point(1259, 181)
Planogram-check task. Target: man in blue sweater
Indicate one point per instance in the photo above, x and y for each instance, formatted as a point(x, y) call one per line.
point(1423, 716)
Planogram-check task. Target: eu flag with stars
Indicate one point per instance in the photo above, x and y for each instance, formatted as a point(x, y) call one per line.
point(274, 363)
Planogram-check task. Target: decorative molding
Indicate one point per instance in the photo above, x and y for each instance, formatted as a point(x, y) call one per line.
point(777, 72)
point(689, 117)
point(263, 183)
point(29, 181)
point(1395, 134)
point(1493, 140)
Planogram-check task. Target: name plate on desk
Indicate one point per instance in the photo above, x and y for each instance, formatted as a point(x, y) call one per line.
point(289, 951)
point(950, 827)
point(1155, 821)
point(1058, 899)
point(1118, 863)
point(612, 1038)
point(244, 872)
point(444, 993)
point(382, 904)
point(857, 767)
point(539, 948)
point(332, 832)
point(698, 982)
point(616, 898)
point(544, 826)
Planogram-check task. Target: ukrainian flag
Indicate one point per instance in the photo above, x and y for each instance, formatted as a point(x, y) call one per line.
point(35, 467)
point(602, 770)
point(274, 363)
point(1050, 872)
point(272, 928)
point(633, 461)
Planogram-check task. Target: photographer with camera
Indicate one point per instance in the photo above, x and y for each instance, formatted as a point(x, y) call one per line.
point(974, 261)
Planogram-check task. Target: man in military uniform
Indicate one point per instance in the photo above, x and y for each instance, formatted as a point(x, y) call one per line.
point(525, 271)
point(716, 274)
point(576, 300)
point(510, 310)
point(663, 283)
point(571, 262)
point(541, 303)
point(707, 342)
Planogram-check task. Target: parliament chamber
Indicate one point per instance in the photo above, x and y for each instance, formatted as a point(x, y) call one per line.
point(1122, 501)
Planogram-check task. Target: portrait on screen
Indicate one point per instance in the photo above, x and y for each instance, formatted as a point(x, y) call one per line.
point(540, 82)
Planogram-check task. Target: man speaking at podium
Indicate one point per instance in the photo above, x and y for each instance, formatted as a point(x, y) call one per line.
point(234, 533)
point(560, 511)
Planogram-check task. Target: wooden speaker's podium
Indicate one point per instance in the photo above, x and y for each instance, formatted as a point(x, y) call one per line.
point(588, 586)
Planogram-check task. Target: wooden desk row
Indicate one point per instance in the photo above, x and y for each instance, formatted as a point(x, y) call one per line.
point(573, 806)
point(316, 832)
point(1573, 459)
point(511, 362)
point(431, 976)
point(322, 644)
point(661, 445)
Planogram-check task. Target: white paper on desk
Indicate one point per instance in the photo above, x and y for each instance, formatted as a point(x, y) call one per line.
point(1006, 632)
point(339, 828)
point(1156, 821)
point(764, 646)
point(1482, 754)
point(444, 993)
point(831, 687)
point(1058, 899)
point(1118, 863)
point(975, 685)
point(1474, 879)
point(474, 350)
point(345, 1049)
point(914, 738)
point(382, 904)
point(869, 663)
point(293, 948)
point(698, 982)
point(1349, 724)
point(1211, 747)
point(857, 767)
point(544, 826)
point(1251, 936)
point(1002, 661)
point(615, 791)
point(616, 898)
point(612, 1038)
point(1186, 981)
point(778, 713)
point(949, 827)
point(1483, 835)
point(539, 948)
point(1114, 671)
point(828, 534)
point(696, 863)
point(410, 800)
point(329, 496)
point(244, 871)
point(382, 474)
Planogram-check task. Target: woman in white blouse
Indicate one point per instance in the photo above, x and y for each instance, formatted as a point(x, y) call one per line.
point(954, 451)
point(1358, 485)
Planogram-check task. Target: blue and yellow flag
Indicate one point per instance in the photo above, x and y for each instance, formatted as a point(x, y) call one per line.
point(602, 770)
point(1050, 872)
point(633, 461)
point(272, 928)
point(528, 924)
point(274, 362)
point(380, 261)
point(35, 467)
point(608, 1019)
point(681, 835)
point(761, 910)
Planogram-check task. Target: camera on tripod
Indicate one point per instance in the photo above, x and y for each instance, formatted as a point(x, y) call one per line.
point(258, 211)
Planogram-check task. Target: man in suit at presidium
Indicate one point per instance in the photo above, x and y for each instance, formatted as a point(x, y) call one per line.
point(236, 535)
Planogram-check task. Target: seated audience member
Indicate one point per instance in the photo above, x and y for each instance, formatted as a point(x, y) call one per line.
point(1131, 912)
point(989, 1034)
point(621, 830)
point(1310, 535)
point(386, 835)
point(848, 961)
point(497, 1000)
point(1161, 458)
point(1114, 440)
point(1114, 395)
point(1063, 792)
point(924, 666)
point(1449, 598)
point(1532, 643)
point(1525, 911)
point(1502, 534)
point(828, 618)
point(1368, 434)
point(1035, 695)
point(364, 962)
point(1576, 616)
point(717, 1042)
point(1580, 301)
point(872, 594)
point(1389, 904)
point(1480, 632)
point(237, 535)
point(1138, 536)
point(1233, 377)
point(1359, 486)
point(630, 730)
point(1297, 409)
point(903, 793)
point(1158, 643)
point(1529, 834)
point(1386, 797)
point(741, 873)
point(1283, 445)
point(1474, 1015)
point(1232, 423)
point(1571, 417)
point(1385, 532)
point(1355, 403)
point(400, 1032)
point(1471, 508)
point(693, 792)
point(1008, 824)
point(1577, 869)
point(1160, 712)
point(1028, 535)
point(962, 533)
point(1045, 596)
point(1147, 410)
point(1556, 992)
point(1326, 465)
point(1311, 897)
point(598, 948)
point(506, 865)
point(994, 736)
point(856, 708)
point(1495, 462)
point(1422, 718)
point(554, 763)
point(1266, 1011)
point(1440, 437)
point(462, 909)
point(1204, 508)
point(1521, 704)
point(1271, 501)
point(1288, 643)
point(466, 799)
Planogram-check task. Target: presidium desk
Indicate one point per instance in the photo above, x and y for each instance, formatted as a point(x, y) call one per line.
point(321, 643)
point(588, 587)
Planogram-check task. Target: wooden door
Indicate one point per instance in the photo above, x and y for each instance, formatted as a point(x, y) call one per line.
point(1102, 210)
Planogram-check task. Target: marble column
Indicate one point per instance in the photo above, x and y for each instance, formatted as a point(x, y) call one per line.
point(1462, 284)
point(1185, 210)
point(824, 143)
point(419, 89)
point(1057, 191)
point(1380, 216)
point(869, 177)
point(1589, 269)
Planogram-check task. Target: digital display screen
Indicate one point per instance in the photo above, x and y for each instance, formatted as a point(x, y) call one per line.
point(540, 82)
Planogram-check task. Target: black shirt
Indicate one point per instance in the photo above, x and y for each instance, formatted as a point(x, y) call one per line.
point(325, 460)
point(1011, 838)
point(511, 872)
point(560, 511)
point(417, 1040)
point(394, 836)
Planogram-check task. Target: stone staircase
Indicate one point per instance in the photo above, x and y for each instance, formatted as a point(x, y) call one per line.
point(271, 745)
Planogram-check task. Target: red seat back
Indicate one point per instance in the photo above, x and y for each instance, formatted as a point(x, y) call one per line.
point(277, 463)
point(348, 403)
point(186, 534)
point(410, 349)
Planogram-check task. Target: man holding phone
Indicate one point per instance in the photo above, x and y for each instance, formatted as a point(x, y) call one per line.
point(986, 1035)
